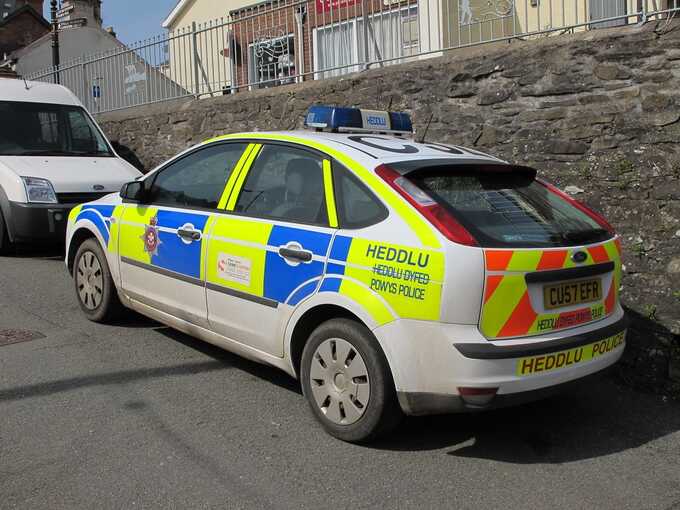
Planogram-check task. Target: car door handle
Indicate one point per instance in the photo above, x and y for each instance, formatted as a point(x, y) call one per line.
point(297, 255)
point(189, 235)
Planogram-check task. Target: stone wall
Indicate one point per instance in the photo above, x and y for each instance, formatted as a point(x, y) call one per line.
point(598, 113)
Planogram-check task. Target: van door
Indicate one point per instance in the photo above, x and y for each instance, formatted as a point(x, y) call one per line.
point(268, 250)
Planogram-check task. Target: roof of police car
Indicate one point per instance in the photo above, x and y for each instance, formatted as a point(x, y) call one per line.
point(375, 146)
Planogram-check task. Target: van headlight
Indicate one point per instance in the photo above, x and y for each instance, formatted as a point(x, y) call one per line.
point(39, 190)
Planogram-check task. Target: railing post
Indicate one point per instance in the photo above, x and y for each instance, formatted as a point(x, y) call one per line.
point(364, 12)
point(194, 43)
point(86, 89)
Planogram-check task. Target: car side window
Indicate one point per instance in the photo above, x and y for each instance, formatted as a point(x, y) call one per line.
point(285, 183)
point(197, 180)
point(357, 206)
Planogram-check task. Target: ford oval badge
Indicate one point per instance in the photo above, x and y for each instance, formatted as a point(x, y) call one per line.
point(98, 187)
point(579, 256)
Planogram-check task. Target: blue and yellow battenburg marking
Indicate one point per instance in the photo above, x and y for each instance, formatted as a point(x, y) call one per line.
point(388, 280)
point(149, 235)
point(99, 215)
point(243, 256)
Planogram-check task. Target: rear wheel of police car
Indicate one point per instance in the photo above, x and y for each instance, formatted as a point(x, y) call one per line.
point(95, 289)
point(348, 383)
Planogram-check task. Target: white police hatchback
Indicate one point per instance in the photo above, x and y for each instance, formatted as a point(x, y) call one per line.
point(391, 276)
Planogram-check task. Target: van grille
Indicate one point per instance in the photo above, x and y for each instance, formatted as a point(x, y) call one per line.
point(79, 198)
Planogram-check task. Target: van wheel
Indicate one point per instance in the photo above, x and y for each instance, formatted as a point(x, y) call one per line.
point(348, 383)
point(5, 243)
point(95, 289)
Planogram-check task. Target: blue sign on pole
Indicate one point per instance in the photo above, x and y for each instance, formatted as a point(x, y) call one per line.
point(96, 91)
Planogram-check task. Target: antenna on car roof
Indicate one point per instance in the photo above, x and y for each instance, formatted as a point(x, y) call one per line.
point(26, 83)
point(427, 126)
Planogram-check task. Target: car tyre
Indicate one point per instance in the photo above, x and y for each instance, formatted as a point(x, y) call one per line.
point(95, 290)
point(6, 246)
point(347, 382)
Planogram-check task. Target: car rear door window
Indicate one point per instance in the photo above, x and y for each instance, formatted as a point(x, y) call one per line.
point(285, 183)
point(357, 206)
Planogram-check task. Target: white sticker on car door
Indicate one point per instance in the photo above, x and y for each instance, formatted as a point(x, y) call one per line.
point(234, 269)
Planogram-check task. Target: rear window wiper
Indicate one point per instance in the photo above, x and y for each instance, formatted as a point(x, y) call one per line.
point(584, 235)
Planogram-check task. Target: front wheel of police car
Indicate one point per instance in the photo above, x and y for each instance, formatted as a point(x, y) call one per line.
point(347, 382)
point(95, 288)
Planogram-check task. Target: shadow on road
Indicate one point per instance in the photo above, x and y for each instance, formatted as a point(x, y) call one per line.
point(592, 419)
point(270, 374)
point(109, 379)
point(586, 422)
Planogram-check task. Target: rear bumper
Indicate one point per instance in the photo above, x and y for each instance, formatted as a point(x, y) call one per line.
point(417, 404)
point(36, 223)
point(488, 350)
point(431, 361)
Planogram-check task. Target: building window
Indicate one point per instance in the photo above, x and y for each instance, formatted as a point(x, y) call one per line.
point(272, 61)
point(389, 35)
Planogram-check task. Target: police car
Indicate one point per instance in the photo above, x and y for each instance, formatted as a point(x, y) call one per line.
point(390, 276)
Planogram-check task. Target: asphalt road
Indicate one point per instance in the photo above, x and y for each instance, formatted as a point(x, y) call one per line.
point(139, 416)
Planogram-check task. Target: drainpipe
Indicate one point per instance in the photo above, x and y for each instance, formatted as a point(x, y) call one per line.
point(300, 14)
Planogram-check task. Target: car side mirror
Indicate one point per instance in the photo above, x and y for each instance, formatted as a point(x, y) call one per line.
point(134, 192)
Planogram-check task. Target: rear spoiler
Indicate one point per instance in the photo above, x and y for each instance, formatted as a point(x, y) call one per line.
point(465, 165)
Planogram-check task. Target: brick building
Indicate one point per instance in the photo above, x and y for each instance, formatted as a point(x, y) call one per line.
point(275, 41)
point(21, 23)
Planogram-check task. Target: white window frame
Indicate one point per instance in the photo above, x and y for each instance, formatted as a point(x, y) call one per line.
point(354, 67)
point(252, 62)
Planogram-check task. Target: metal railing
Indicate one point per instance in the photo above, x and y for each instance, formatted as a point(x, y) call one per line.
point(285, 41)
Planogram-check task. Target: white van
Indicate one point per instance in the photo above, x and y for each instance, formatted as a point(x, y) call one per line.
point(53, 156)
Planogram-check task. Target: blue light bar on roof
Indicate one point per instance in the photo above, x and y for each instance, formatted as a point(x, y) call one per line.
point(330, 118)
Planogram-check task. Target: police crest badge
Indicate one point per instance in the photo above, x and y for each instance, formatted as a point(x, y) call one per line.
point(151, 238)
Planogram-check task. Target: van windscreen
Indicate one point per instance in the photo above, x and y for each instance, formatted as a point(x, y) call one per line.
point(507, 208)
point(38, 129)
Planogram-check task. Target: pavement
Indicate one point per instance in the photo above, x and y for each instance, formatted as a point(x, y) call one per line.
point(136, 415)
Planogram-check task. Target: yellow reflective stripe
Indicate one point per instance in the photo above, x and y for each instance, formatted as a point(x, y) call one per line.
point(420, 226)
point(234, 175)
point(330, 194)
point(242, 177)
point(612, 252)
point(74, 213)
point(368, 300)
point(502, 303)
point(251, 250)
point(524, 260)
point(114, 227)
point(204, 244)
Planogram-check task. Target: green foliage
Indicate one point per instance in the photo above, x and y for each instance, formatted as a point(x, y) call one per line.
point(624, 166)
point(650, 312)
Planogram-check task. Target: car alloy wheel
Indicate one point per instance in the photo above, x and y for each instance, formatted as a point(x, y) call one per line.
point(339, 381)
point(89, 280)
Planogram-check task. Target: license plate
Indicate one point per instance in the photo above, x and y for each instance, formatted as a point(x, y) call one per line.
point(572, 293)
point(556, 360)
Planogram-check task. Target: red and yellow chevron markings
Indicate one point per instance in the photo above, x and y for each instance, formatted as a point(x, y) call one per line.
point(507, 310)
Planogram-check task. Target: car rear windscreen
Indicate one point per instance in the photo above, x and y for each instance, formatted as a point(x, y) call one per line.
point(505, 209)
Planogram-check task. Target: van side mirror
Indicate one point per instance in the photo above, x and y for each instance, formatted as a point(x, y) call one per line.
point(134, 192)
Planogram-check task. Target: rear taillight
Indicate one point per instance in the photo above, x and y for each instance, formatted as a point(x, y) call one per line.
point(431, 210)
point(580, 206)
